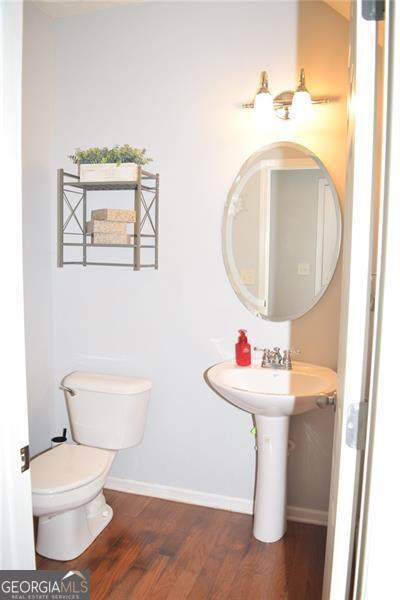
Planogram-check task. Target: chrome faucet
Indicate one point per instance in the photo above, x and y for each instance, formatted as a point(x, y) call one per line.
point(274, 359)
point(266, 356)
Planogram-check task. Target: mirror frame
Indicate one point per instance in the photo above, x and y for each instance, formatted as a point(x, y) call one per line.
point(240, 290)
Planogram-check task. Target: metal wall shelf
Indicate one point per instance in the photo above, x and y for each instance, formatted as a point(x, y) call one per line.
point(72, 205)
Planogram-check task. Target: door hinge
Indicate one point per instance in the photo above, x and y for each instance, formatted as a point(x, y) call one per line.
point(24, 454)
point(356, 425)
point(373, 10)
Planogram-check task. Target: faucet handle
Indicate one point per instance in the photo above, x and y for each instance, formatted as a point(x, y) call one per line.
point(288, 353)
point(266, 352)
point(287, 357)
point(266, 356)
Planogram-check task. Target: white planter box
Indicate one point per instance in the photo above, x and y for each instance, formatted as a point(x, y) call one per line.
point(108, 172)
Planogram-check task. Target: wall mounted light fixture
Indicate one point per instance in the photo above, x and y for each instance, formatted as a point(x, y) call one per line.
point(286, 105)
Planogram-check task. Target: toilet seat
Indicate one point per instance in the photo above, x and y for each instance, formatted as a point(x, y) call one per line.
point(68, 467)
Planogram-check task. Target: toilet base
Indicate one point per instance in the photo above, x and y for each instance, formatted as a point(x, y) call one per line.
point(66, 535)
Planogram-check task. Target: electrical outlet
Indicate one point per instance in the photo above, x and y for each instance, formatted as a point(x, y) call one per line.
point(303, 269)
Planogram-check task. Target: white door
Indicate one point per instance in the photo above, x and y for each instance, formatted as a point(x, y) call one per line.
point(355, 305)
point(376, 560)
point(16, 527)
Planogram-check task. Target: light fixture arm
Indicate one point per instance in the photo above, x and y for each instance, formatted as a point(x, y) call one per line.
point(263, 87)
point(302, 82)
point(283, 101)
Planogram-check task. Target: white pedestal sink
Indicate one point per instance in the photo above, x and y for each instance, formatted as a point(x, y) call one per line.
point(272, 395)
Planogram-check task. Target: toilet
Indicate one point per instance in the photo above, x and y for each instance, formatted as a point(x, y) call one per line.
point(107, 413)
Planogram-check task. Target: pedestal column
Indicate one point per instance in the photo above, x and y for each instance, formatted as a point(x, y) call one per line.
point(270, 501)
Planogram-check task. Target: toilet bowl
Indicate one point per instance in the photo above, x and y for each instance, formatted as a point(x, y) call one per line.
point(107, 413)
point(67, 482)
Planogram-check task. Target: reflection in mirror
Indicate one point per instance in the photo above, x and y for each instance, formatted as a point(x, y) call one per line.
point(281, 232)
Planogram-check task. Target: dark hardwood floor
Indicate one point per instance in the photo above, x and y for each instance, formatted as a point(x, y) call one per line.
point(158, 550)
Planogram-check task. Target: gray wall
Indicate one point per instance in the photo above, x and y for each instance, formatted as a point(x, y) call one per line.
point(171, 77)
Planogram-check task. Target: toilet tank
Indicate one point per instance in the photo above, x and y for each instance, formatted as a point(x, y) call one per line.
point(106, 411)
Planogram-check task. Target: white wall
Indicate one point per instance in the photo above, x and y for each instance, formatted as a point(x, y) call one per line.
point(38, 196)
point(171, 77)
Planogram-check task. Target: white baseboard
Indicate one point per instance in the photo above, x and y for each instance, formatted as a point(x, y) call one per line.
point(240, 505)
point(307, 515)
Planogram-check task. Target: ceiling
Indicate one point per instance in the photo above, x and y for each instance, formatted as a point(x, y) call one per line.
point(65, 8)
point(341, 6)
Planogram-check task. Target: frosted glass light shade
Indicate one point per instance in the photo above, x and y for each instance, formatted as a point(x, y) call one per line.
point(301, 108)
point(263, 106)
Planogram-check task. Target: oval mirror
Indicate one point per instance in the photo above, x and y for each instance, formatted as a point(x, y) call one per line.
point(281, 232)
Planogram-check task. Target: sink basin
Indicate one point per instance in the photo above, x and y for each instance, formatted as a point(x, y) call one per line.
point(273, 396)
point(272, 392)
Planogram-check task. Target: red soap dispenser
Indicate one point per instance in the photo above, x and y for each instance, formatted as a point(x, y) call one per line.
point(243, 350)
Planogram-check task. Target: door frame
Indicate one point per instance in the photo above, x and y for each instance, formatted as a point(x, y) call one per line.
point(355, 306)
point(268, 166)
point(16, 524)
point(375, 556)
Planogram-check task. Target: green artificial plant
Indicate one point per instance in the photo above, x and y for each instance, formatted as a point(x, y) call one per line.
point(117, 154)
